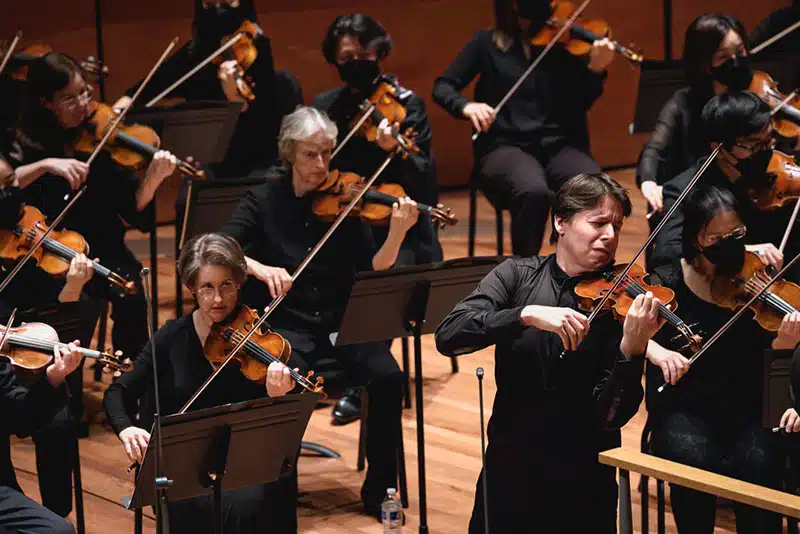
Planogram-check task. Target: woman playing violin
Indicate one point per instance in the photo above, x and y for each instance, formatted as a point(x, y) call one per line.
point(59, 105)
point(711, 417)
point(213, 267)
point(552, 415)
point(540, 138)
point(355, 45)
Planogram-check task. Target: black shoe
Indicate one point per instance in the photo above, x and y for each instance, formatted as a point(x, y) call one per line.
point(348, 407)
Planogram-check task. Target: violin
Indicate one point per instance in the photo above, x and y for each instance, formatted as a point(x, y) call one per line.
point(779, 185)
point(592, 290)
point(578, 41)
point(130, 146)
point(57, 250)
point(244, 52)
point(29, 348)
point(383, 103)
point(786, 122)
point(733, 292)
point(376, 204)
point(263, 348)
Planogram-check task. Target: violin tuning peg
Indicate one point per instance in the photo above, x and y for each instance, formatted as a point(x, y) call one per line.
point(117, 374)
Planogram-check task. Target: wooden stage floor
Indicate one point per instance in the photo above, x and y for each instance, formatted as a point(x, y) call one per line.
point(330, 488)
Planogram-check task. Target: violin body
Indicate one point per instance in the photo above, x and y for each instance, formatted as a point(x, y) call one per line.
point(780, 184)
point(786, 122)
point(733, 292)
point(244, 51)
point(384, 103)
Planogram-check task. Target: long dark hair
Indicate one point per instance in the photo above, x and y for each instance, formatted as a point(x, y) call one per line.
point(703, 37)
point(46, 76)
point(367, 30)
point(703, 204)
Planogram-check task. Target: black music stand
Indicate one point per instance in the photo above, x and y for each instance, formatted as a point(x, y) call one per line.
point(209, 205)
point(252, 442)
point(412, 300)
point(201, 130)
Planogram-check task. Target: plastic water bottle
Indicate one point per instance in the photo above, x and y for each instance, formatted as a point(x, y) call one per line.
point(391, 513)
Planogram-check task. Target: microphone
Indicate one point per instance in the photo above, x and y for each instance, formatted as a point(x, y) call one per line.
point(479, 374)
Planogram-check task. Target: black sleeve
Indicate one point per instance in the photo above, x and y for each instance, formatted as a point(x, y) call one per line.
point(362, 247)
point(25, 410)
point(577, 87)
point(447, 87)
point(11, 203)
point(485, 317)
point(121, 185)
point(794, 378)
point(668, 244)
point(660, 145)
point(168, 73)
point(245, 225)
point(618, 391)
point(121, 397)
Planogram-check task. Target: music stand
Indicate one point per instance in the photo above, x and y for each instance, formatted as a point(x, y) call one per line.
point(251, 442)
point(412, 300)
point(209, 205)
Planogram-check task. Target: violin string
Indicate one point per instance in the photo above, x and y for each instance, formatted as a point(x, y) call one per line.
point(769, 297)
point(668, 314)
point(41, 344)
point(267, 357)
point(68, 253)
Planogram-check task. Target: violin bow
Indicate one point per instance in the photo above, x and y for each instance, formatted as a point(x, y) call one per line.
point(566, 26)
point(7, 329)
point(300, 268)
point(724, 328)
point(10, 51)
point(623, 275)
point(109, 131)
point(777, 37)
point(792, 219)
point(366, 114)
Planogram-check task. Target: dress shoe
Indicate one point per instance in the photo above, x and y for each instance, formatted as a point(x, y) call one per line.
point(348, 408)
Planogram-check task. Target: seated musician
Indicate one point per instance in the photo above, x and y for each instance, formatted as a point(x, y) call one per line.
point(552, 415)
point(24, 410)
point(710, 418)
point(58, 107)
point(252, 147)
point(275, 225)
point(213, 267)
point(739, 121)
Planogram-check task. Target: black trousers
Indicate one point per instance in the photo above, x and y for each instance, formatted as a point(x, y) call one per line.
point(745, 452)
point(18, 513)
point(56, 447)
point(524, 182)
point(371, 365)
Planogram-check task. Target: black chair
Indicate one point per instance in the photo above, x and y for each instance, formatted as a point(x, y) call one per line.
point(473, 216)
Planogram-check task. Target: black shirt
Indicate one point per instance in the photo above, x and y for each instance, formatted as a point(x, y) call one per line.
point(278, 229)
point(677, 139)
point(254, 144)
point(549, 106)
point(571, 407)
point(182, 368)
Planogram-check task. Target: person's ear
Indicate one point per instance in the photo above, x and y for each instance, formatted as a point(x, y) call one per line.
point(558, 224)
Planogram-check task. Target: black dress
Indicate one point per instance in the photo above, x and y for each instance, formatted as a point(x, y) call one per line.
point(182, 369)
point(551, 416)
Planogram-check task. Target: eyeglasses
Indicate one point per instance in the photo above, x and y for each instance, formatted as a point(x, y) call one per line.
point(737, 233)
point(225, 290)
point(85, 96)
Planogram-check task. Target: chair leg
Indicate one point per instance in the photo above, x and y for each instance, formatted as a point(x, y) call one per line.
point(101, 341)
point(661, 507)
point(137, 521)
point(401, 469)
point(454, 364)
point(473, 213)
point(406, 374)
point(78, 488)
point(644, 490)
point(362, 432)
point(498, 218)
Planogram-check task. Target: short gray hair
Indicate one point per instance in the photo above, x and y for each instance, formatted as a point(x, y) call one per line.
point(300, 125)
point(216, 249)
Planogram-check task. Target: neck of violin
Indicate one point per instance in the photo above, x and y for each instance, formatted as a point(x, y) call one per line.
point(63, 251)
point(387, 200)
point(29, 342)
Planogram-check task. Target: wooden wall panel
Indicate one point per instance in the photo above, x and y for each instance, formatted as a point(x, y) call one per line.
point(427, 35)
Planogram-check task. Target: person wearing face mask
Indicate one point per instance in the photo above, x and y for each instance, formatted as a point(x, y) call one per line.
point(714, 53)
point(552, 415)
point(540, 138)
point(711, 416)
point(253, 146)
point(788, 47)
point(739, 121)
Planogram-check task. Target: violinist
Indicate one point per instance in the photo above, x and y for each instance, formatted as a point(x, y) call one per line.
point(355, 45)
point(24, 410)
point(540, 138)
point(213, 267)
point(739, 121)
point(253, 147)
point(552, 415)
point(714, 57)
point(785, 49)
point(711, 417)
point(59, 104)
point(275, 224)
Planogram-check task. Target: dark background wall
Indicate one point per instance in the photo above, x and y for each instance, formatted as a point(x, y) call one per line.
point(427, 35)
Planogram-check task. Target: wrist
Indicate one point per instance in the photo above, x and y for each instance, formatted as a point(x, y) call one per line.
point(632, 348)
point(783, 344)
point(54, 378)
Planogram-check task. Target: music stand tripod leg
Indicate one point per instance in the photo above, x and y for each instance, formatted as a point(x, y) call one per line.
point(423, 499)
point(217, 462)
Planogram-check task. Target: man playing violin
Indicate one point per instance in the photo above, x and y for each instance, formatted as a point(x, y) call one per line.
point(213, 267)
point(275, 225)
point(739, 121)
point(552, 414)
point(25, 410)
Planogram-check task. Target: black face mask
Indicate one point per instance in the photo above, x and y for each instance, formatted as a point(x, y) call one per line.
point(214, 23)
point(727, 255)
point(360, 74)
point(754, 167)
point(537, 11)
point(735, 73)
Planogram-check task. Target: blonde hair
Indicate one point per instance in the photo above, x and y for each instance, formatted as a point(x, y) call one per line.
point(300, 125)
point(216, 249)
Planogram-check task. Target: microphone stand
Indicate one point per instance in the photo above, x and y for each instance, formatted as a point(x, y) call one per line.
point(160, 481)
point(479, 373)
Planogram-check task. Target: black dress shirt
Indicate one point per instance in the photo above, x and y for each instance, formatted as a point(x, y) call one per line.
point(550, 106)
point(278, 229)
